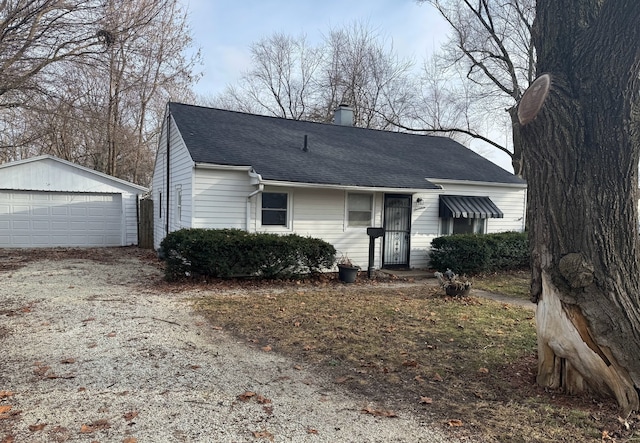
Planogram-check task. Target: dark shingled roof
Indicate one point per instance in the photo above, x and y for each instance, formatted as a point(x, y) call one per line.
point(337, 155)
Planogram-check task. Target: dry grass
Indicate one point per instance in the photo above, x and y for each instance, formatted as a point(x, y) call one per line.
point(466, 361)
point(514, 283)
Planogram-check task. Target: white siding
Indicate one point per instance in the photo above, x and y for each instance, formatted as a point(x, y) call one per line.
point(181, 175)
point(220, 198)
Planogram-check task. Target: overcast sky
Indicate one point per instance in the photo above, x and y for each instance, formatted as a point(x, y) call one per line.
point(224, 30)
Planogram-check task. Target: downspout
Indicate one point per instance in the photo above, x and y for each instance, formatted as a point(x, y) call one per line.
point(168, 166)
point(256, 179)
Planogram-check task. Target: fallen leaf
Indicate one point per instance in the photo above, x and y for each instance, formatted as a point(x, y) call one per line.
point(246, 396)
point(85, 429)
point(410, 363)
point(41, 370)
point(130, 440)
point(68, 361)
point(379, 412)
point(8, 439)
point(483, 370)
point(297, 368)
point(38, 427)
point(130, 415)
point(455, 422)
point(312, 431)
point(5, 409)
point(437, 377)
point(263, 434)
point(419, 379)
point(426, 400)
point(95, 426)
point(111, 334)
point(5, 394)
point(262, 400)
point(267, 348)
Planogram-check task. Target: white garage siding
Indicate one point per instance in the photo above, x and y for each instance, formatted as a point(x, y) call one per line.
point(47, 219)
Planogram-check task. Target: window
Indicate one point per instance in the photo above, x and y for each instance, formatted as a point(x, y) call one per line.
point(462, 225)
point(178, 202)
point(274, 208)
point(466, 214)
point(359, 209)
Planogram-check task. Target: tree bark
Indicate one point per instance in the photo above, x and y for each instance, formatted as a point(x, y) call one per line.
point(581, 161)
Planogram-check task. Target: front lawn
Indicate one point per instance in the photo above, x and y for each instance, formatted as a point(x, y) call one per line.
point(466, 364)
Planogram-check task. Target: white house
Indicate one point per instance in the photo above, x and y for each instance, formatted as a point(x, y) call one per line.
point(46, 201)
point(225, 169)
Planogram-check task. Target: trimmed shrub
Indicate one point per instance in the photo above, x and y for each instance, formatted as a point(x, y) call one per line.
point(226, 253)
point(472, 254)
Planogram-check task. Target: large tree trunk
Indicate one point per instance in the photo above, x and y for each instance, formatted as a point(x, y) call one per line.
point(581, 161)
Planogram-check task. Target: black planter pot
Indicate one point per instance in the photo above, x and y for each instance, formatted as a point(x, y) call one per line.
point(347, 274)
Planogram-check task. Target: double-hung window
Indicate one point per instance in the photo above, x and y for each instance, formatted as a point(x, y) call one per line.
point(359, 210)
point(275, 210)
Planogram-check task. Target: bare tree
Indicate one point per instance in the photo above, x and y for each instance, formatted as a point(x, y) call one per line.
point(366, 73)
point(105, 109)
point(491, 46)
point(579, 127)
point(353, 66)
point(38, 33)
point(281, 82)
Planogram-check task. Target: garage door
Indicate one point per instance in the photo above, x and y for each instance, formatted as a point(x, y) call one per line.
point(45, 219)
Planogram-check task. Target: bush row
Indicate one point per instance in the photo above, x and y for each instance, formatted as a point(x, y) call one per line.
point(226, 253)
point(473, 254)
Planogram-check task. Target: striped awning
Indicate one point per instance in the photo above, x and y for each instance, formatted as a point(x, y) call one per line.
point(462, 206)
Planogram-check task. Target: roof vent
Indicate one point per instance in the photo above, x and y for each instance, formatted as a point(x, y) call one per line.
point(343, 115)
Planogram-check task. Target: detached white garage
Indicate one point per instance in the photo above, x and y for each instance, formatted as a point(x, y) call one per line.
point(47, 202)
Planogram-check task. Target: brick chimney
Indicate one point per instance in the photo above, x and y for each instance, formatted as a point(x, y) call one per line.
point(343, 116)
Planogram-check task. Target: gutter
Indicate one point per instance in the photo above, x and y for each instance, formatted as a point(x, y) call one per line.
point(256, 179)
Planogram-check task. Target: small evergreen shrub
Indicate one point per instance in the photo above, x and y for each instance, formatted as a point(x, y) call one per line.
point(226, 253)
point(472, 254)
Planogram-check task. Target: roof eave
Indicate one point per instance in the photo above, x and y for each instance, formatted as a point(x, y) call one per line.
point(447, 181)
point(289, 184)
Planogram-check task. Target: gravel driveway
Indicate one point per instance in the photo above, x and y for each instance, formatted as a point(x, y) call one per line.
point(96, 351)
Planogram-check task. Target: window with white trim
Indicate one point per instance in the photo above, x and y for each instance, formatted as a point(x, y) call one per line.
point(275, 208)
point(359, 210)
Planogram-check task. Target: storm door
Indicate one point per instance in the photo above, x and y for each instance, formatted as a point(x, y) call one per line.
point(397, 231)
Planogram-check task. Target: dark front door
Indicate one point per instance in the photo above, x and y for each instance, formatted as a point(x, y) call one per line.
point(397, 230)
